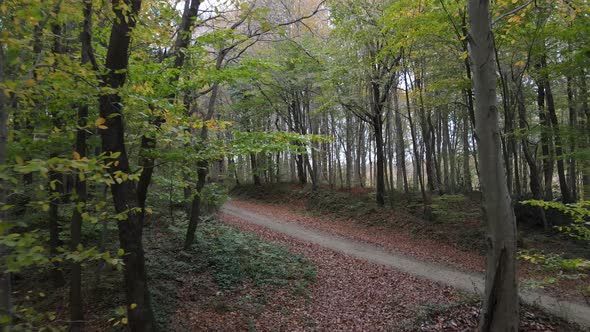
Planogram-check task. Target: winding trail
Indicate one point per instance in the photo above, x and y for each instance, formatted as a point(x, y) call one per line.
point(467, 282)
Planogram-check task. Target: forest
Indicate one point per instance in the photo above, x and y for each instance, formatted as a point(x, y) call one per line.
point(304, 165)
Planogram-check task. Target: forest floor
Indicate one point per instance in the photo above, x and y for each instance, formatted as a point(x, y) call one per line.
point(283, 266)
point(379, 266)
point(454, 238)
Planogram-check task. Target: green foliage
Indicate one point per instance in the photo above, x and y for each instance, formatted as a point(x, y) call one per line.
point(554, 262)
point(236, 257)
point(214, 195)
point(580, 213)
point(453, 208)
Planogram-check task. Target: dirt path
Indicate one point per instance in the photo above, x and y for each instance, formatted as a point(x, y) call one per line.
point(445, 275)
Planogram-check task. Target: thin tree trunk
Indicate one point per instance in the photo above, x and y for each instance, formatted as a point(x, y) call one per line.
point(418, 166)
point(55, 178)
point(400, 145)
point(545, 143)
point(76, 302)
point(565, 192)
point(443, 124)
point(500, 311)
point(586, 129)
point(202, 168)
point(5, 279)
point(467, 186)
point(535, 181)
point(379, 146)
point(348, 152)
point(573, 122)
point(361, 164)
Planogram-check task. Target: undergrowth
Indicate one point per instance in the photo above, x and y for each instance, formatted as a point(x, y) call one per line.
point(235, 256)
point(234, 259)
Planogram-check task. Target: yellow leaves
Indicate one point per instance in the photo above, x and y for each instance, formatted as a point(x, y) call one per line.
point(464, 55)
point(76, 155)
point(145, 88)
point(124, 321)
point(520, 64)
point(515, 19)
point(30, 82)
point(133, 306)
point(99, 123)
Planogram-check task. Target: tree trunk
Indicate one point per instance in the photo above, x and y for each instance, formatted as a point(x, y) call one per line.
point(348, 152)
point(378, 127)
point(573, 122)
point(467, 186)
point(5, 279)
point(535, 180)
point(418, 165)
point(202, 169)
point(141, 317)
point(586, 129)
point(565, 192)
point(427, 137)
point(76, 302)
point(545, 143)
point(361, 155)
point(500, 305)
point(195, 212)
point(55, 178)
point(400, 145)
point(446, 152)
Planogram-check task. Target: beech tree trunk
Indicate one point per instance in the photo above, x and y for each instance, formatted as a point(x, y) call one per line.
point(500, 303)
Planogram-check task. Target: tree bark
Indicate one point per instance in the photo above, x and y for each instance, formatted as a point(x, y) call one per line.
point(141, 317)
point(348, 152)
point(467, 186)
point(565, 192)
point(586, 128)
point(400, 145)
point(5, 279)
point(545, 142)
point(202, 169)
point(418, 165)
point(55, 178)
point(76, 302)
point(500, 305)
point(573, 122)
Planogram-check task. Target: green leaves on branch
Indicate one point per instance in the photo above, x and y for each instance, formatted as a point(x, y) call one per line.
point(579, 212)
point(261, 142)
